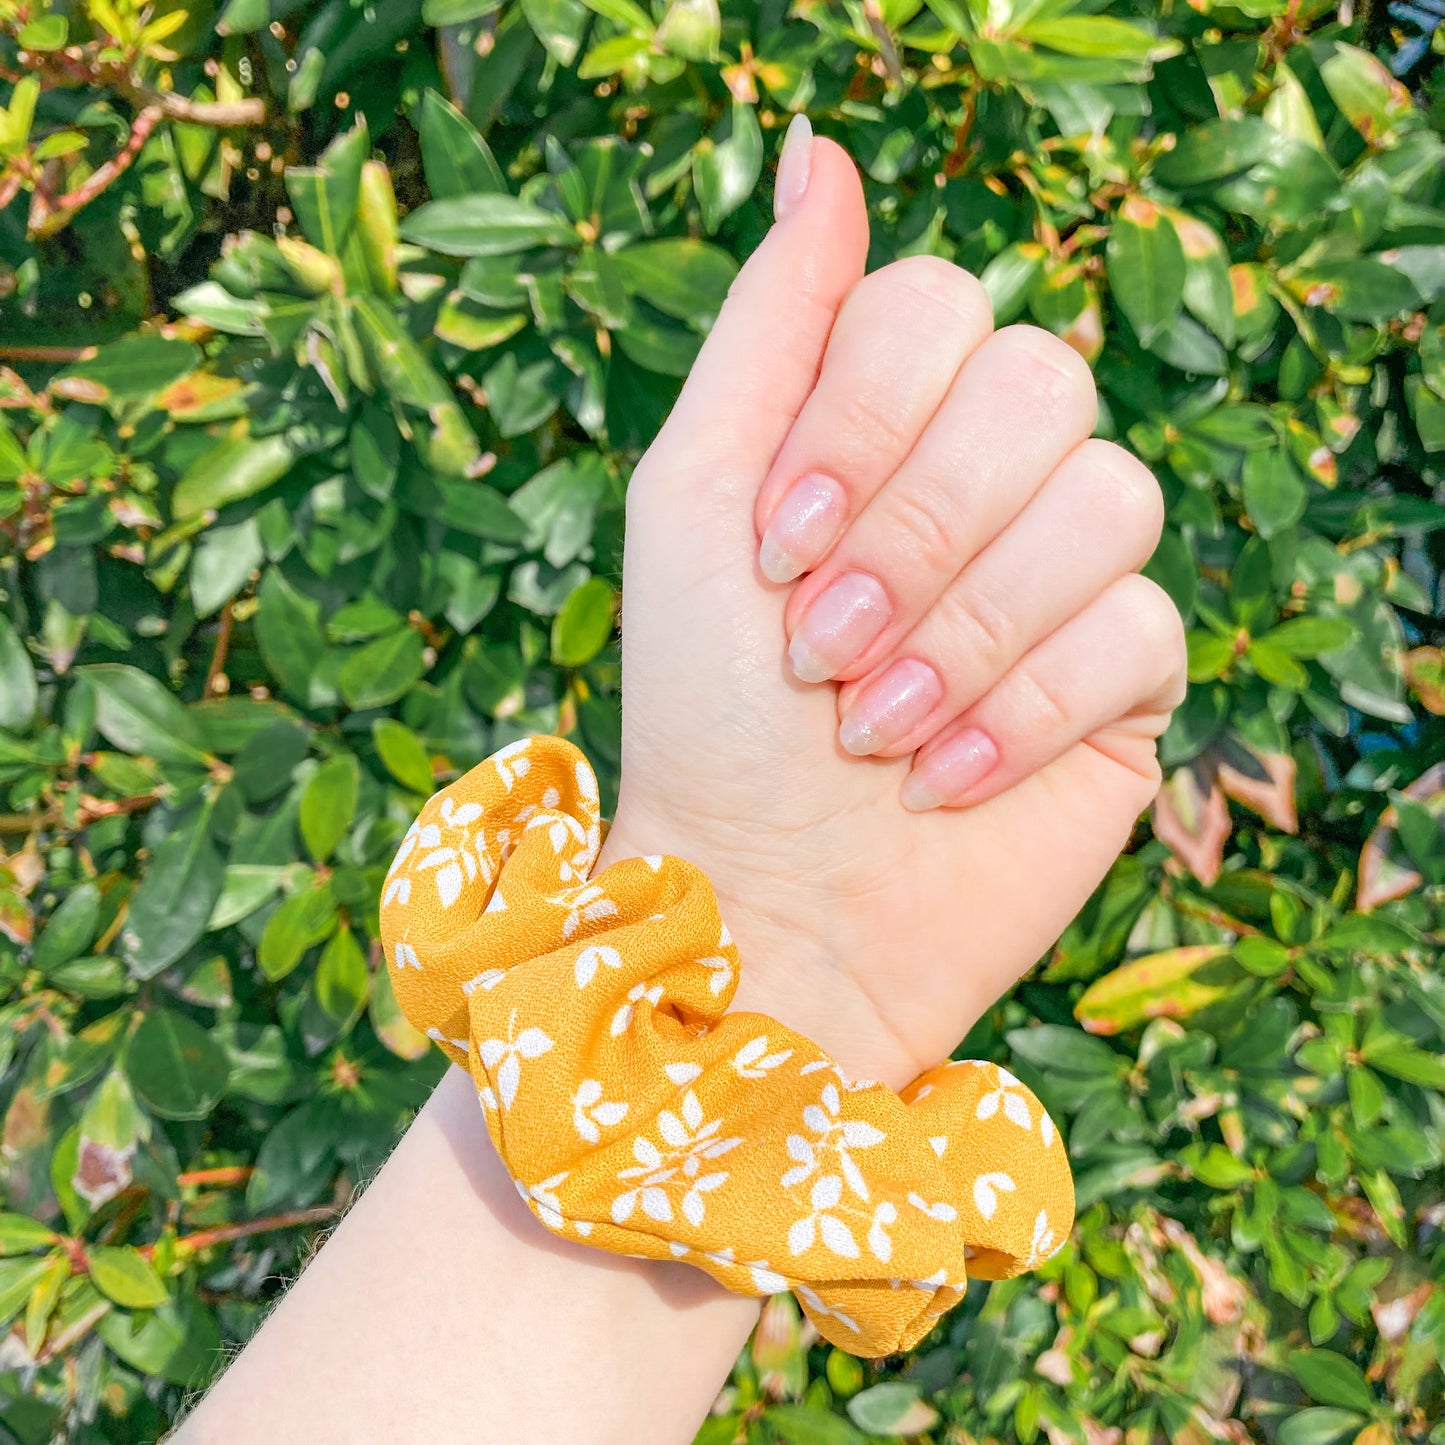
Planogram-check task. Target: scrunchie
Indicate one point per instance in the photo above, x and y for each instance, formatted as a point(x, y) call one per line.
point(636, 1114)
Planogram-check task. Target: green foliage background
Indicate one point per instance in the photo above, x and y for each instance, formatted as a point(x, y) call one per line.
point(330, 335)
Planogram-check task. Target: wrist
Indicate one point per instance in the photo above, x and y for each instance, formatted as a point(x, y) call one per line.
point(795, 954)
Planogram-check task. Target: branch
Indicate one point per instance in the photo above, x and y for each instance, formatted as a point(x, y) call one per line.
point(47, 217)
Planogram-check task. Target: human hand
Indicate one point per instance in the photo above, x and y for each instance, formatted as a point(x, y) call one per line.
point(971, 583)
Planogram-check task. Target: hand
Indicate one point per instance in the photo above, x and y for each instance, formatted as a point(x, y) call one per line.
point(973, 586)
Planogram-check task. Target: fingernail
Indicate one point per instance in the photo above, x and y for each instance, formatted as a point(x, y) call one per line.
point(793, 166)
point(802, 529)
point(960, 764)
point(890, 707)
point(840, 622)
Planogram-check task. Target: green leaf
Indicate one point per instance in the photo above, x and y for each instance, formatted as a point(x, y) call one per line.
point(328, 805)
point(19, 694)
point(124, 1275)
point(1361, 289)
point(1214, 150)
point(725, 172)
point(404, 755)
point(1146, 267)
point(1318, 1426)
point(582, 628)
point(138, 714)
point(20, 1234)
point(1311, 636)
point(135, 366)
point(1274, 492)
point(174, 1067)
point(71, 929)
point(382, 671)
point(457, 161)
point(291, 641)
point(485, 224)
point(803, 1425)
point(341, 983)
point(17, 1278)
point(685, 279)
point(232, 472)
point(1333, 1380)
point(1405, 1061)
point(892, 1408)
point(479, 510)
point(1173, 984)
point(1097, 35)
point(324, 196)
point(301, 922)
point(1010, 278)
point(173, 905)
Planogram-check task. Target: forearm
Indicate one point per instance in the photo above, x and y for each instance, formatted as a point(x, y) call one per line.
point(441, 1309)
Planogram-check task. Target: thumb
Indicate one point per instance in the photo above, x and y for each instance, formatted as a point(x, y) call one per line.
point(763, 355)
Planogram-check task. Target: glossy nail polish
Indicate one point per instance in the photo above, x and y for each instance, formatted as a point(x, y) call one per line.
point(802, 529)
point(891, 707)
point(793, 165)
point(838, 625)
point(960, 764)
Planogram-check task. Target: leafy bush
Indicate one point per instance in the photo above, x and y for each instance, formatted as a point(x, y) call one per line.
point(331, 333)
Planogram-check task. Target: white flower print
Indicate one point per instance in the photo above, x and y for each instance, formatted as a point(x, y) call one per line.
point(826, 1194)
point(447, 848)
point(836, 1134)
point(488, 978)
point(683, 1073)
point(985, 1192)
point(753, 1061)
point(599, 955)
point(884, 1213)
point(765, 1280)
point(722, 972)
point(943, 1211)
point(549, 1211)
point(816, 1305)
point(622, 1019)
point(1046, 1127)
point(589, 1111)
point(508, 1053)
point(1006, 1096)
point(690, 1141)
point(1042, 1245)
point(406, 957)
point(512, 762)
point(587, 901)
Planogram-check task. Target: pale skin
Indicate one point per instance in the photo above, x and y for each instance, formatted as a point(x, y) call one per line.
point(888, 868)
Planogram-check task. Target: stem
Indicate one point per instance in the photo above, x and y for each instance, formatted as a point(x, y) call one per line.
point(218, 658)
point(62, 355)
point(224, 1233)
point(221, 1177)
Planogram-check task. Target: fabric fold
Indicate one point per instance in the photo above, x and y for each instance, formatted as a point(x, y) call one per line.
point(635, 1113)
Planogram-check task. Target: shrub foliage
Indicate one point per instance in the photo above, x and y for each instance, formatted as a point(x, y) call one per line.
point(330, 334)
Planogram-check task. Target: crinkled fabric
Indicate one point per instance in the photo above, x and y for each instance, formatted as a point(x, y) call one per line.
point(636, 1114)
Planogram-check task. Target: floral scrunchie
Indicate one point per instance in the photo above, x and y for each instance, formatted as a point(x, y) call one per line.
point(636, 1114)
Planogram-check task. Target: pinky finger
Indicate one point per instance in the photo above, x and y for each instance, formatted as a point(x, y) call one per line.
point(1116, 668)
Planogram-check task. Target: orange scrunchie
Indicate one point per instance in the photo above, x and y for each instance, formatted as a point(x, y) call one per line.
point(635, 1113)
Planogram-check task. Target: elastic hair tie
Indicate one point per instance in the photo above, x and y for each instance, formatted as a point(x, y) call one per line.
point(635, 1113)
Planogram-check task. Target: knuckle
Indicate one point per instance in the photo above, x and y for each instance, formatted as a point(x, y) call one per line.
point(1043, 704)
point(1152, 616)
point(981, 631)
point(1050, 370)
point(878, 426)
point(922, 526)
point(1125, 489)
point(938, 284)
